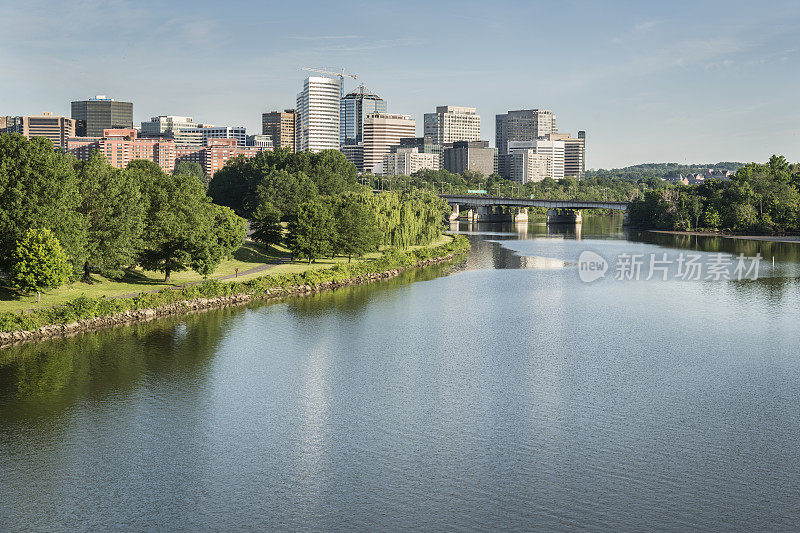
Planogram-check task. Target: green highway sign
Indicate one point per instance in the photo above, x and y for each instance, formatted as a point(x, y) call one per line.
point(476, 191)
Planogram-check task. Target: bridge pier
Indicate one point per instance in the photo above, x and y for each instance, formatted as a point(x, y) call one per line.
point(455, 214)
point(564, 216)
point(520, 214)
point(626, 218)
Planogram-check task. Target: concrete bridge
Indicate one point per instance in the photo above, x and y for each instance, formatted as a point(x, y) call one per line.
point(482, 208)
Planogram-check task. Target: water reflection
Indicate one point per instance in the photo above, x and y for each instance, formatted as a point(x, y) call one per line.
point(475, 395)
point(43, 378)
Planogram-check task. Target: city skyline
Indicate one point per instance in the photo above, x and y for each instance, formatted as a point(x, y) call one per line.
point(648, 83)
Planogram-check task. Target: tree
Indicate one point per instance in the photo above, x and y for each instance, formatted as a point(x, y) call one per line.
point(38, 189)
point(356, 227)
point(190, 168)
point(179, 230)
point(226, 234)
point(266, 224)
point(311, 232)
point(39, 262)
point(286, 191)
point(113, 211)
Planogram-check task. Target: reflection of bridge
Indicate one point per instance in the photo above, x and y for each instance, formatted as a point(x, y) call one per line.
point(481, 208)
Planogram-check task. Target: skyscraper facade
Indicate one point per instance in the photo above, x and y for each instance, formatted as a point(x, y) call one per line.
point(56, 128)
point(354, 107)
point(101, 113)
point(406, 161)
point(381, 132)
point(281, 126)
point(551, 148)
point(523, 125)
point(476, 156)
point(318, 114)
point(450, 124)
point(574, 153)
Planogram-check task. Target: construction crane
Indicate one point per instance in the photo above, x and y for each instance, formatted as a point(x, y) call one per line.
point(341, 75)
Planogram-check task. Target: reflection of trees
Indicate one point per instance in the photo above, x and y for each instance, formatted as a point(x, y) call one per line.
point(355, 297)
point(41, 378)
point(781, 251)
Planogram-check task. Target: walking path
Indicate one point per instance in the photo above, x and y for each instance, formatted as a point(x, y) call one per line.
point(260, 268)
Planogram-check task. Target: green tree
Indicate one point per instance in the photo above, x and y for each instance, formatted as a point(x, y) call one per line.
point(38, 189)
point(226, 234)
point(179, 227)
point(113, 211)
point(312, 232)
point(284, 190)
point(190, 168)
point(266, 224)
point(39, 262)
point(356, 227)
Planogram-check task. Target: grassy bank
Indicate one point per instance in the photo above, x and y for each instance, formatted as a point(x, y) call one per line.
point(282, 276)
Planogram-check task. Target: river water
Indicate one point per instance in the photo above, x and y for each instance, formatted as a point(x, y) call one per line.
point(498, 393)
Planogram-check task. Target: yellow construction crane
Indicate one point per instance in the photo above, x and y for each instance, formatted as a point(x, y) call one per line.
point(341, 75)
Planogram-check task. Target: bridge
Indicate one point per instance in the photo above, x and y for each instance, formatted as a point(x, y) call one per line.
point(482, 208)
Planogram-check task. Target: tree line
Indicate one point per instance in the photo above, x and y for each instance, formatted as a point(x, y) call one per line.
point(313, 204)
point(590, 188)
point(760, 198)
point(62, 219)
point(646, 171)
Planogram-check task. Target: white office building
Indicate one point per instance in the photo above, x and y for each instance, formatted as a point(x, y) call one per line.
point(525, 160)
point(450, 124)
point(406, 161)
point(318, 114)
point(220, 132)
point(162, 124)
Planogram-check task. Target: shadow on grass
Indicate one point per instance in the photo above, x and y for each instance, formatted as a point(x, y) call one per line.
point(8, 294)
point(252, 252)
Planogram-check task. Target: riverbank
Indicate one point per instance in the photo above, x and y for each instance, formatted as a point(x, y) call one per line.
point(90, 314)
point(768, 238)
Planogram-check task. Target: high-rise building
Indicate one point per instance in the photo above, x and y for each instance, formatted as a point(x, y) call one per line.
point(406, 161)
point(121, 146)
point(164, 123)
point(282, 127)
point(354, 107)
point(476, 156)
point(450, 124)
point(318, 114)
point(381, 132)
point(523, 125)
point(101, 113)
point(182, 130)
point(355, 154)
point(526, 165)
point(574, 153)
point(220, 132)
point(553, 149)
point(54, 127)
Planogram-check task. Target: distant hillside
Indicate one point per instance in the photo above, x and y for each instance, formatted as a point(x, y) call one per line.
point(660, 170)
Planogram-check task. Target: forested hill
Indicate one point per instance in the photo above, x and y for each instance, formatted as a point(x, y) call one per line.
point(660, 170)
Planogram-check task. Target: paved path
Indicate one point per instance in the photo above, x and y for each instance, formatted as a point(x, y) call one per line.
point(254, 270)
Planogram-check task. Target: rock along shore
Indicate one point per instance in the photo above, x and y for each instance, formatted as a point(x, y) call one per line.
point(195, 305)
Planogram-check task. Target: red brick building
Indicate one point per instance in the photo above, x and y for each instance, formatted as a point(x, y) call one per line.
point(121, 146)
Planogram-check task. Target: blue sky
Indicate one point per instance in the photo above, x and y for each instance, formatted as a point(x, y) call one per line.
point(668, 81)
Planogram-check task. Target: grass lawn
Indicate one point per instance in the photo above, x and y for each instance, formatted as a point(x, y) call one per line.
point(249, 256)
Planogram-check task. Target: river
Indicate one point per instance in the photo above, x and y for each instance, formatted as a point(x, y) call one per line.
point(498, 393)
